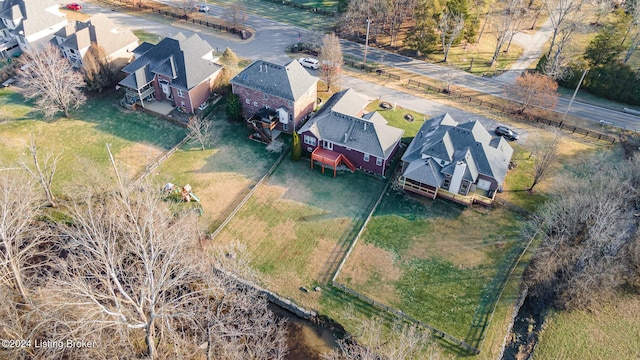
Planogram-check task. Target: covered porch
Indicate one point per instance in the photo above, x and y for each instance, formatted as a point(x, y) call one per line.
point(433, 192)
point(331, 159)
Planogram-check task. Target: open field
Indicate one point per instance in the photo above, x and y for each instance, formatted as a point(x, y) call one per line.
point(294, 220)
point(136, 138)
point(221, 174)
point(612, 331)
point(432, 259)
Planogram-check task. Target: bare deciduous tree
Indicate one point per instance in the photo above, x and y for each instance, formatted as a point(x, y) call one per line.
point(138, 273)
point(44, 169)
point(373, 341)
point(97, 70)
point(200, 130)
point(633, 31)
point(545, 152)
point(237, 13)
point(50, 79)
point(450, 26)
point(588, 233)
point(19, 242)
point(507, 26)
point(566, 18)
point(330, 60)
point(534, 91)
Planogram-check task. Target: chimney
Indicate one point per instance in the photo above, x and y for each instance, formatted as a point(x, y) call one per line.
point(174, 73)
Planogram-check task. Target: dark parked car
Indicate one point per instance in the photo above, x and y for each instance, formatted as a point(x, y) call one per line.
point(507, 133)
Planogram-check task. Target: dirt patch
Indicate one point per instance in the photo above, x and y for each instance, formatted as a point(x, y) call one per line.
point(374, 269)
point(137, 156)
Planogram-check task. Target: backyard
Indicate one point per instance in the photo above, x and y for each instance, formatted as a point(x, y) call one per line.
point(223, 173)
point(136, 139)
point(296, 222)
point(433, 259)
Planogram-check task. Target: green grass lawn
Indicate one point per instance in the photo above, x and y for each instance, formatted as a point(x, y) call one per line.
point(147, 36)
point(294, 221)
point(395, 117)
point(612, 331)
point(283, 13)
point(221, 174)
point(432, 259)
point(329, 5)
point(136, 138)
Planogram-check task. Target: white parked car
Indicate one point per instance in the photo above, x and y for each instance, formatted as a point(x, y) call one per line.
point(310, 63)
point(202, 7)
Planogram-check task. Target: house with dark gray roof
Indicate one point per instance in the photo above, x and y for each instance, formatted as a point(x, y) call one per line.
point(75, 39)
point(27, 25)
point(342, 132)
point(179, 70)
point(288, 92)
point(462, 162)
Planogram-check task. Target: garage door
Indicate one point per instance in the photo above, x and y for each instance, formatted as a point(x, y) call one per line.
point(484, 184)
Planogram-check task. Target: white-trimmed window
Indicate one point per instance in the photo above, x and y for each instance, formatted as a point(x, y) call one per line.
point(180, 93)
point(327, 145)
point(379, 161)
point(310, 140)
point(285, 126)
point(366, 157)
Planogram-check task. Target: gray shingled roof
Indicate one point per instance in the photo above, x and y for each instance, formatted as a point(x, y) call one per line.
point(99, 29)
point(289, 82)
point(369, 134)
point(186, 54)
point(426, 172)
point(37, 15)
point(442, 138)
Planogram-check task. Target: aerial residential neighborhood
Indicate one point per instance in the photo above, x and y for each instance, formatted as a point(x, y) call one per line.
point(317, 180)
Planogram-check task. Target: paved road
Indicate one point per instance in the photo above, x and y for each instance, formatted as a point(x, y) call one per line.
point(273, 37)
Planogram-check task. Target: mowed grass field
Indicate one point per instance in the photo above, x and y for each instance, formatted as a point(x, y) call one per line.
point(432, 259)
point(223, 173)
point(137, 139)
point(609, 332)
point(294, 221)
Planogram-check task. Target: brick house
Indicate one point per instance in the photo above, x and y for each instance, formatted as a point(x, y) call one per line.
point(285, 94)
point(341, 132)
point(461, 162)
point(179, 70)
point(75, 39)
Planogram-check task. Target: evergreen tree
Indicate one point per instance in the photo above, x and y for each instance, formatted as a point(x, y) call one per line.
point(607, 45)
point(422, 37)
point(296, 147)
point(234, 107)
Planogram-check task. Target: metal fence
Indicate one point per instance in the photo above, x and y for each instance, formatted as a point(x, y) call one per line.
point(436, 332)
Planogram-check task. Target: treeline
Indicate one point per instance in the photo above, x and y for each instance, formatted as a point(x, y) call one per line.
point(590, 243)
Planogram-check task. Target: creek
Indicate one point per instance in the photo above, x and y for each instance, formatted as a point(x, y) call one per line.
point(526, 328)
point(306, 340)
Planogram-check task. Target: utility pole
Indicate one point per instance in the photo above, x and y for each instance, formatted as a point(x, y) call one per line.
point(575, 93)
point(366, 42)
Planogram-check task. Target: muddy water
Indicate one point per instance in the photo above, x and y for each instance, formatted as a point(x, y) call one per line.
point(307, 341)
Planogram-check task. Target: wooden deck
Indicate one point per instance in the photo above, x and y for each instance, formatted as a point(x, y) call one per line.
point(433, 192)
